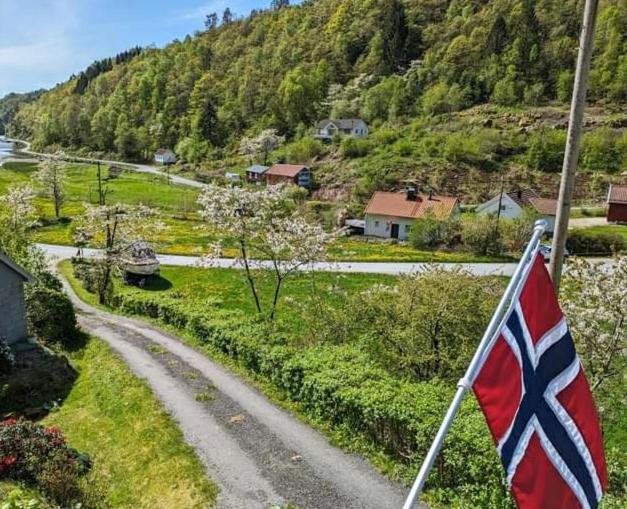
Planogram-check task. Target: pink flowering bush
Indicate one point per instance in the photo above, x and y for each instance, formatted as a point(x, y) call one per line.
point(40, 456)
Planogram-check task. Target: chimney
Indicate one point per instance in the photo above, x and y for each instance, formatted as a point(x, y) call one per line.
point(519, 194)
point(411, 194)
point(430, 194)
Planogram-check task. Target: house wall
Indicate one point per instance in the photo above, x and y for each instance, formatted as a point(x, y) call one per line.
point(360, 130)
point(13, 316)
point(509, 208)
point(617, 213)
point(381, 226)
point(550, 221)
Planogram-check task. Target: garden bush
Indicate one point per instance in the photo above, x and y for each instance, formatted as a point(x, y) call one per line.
point(51, 315)
point(581, 242)
point(40, 456)
point(430, 232)
point(355, 147)
point(7, 360)
point(480, 235)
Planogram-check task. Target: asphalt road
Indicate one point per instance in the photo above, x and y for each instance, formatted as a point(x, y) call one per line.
point(142, 168)
point(479, 269)
point(258, 453)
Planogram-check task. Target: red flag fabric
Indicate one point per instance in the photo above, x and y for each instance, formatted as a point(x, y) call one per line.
point(538, 405)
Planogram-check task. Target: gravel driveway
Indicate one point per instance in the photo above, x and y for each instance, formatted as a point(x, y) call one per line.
point(258, 453)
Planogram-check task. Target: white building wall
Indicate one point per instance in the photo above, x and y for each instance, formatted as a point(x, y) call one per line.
point(509, 208)
point(381, 226)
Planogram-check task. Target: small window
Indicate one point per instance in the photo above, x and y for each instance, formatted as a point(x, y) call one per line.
point(406, 228)
point(376, 224)
point(503, 207)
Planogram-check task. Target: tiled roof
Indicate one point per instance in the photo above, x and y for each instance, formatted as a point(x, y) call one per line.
point(341, 123)
point(618, 194)
point(257, 168)
point(286, 170)
point(544, 206)
point(397, 205)
point(523, 197)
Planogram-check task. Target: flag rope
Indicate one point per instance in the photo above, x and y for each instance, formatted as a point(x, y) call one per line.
point(513, 288)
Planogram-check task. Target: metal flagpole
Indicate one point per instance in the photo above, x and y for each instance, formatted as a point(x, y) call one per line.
point(465, 383)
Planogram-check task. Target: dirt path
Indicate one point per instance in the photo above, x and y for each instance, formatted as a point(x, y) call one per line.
point(258, 453)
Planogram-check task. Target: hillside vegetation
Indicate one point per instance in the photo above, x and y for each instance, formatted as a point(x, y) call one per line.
point(385, 60)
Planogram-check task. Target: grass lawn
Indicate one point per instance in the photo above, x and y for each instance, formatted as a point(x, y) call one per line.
point(184, 234)
point(138, 451)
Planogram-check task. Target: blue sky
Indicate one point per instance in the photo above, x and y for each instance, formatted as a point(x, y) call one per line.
point(43, 42)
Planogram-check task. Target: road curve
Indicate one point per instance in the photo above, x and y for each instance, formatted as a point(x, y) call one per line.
point(258, 453)
point(478, 269)
point(142, 168)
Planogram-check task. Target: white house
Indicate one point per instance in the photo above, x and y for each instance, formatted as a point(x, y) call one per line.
point(328, 128)
point(165, 156)
point(390, 215)
point(512, 205)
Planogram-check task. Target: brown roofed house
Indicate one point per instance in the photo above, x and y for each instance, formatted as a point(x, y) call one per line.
point(391, 214)
point(617, 204)
point(288, 173)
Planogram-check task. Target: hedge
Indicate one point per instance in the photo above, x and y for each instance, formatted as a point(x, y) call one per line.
point(341, 385)
point(581, 242)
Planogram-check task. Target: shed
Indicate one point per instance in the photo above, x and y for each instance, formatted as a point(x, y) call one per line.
point(617, 204)
point(13, 323)
point(165, 156)
point(255, 173)
point(289, 173)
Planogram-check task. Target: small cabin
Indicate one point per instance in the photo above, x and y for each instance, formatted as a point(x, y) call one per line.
point(139, 263)
point(165, 156)
point(255, 173)
point(13, 322)
point(617, 204)
point(289, 174)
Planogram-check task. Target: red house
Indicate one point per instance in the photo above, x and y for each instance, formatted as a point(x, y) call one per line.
point(617, 204)
point(289, 173)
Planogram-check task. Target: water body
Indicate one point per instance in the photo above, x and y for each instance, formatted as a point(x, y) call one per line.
point(6, 150)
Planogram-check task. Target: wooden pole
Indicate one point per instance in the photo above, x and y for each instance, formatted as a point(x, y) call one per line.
point(573, 141)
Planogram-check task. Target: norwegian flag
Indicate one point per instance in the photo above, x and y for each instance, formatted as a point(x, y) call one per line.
point(536, 399)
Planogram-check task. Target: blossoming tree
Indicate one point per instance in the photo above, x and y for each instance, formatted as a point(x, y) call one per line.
point(112, 228)
point(266, 224)
point(51, 178)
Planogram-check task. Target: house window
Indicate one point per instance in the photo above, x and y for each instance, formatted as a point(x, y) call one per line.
point(503, 207)
point(376, 224)
point(406, 228)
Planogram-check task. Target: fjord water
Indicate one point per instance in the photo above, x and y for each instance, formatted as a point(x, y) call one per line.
point(6, 150)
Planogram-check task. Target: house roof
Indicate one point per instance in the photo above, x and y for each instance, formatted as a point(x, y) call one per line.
point(163, 151)
point(617, 194)
point(544, 206)
point(286, 170)
point(397, 205)
point(257, 168)
point(523, 197)
point(341, 123)
point(9, 262)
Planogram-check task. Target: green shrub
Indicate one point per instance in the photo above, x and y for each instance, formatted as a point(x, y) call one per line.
point(51, 315)
point(430, 232)
point(480, 236)
point(7, 359)
point(581, 242)
point(404, 148)
point(303, 150)
point(546, 151)
point(600, 151)
point(355, 147)
point(385, 136)
point(39, 456)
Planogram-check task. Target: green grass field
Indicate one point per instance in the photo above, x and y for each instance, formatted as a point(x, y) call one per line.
point(184, 234)
point(139, 453)
point(614, 229)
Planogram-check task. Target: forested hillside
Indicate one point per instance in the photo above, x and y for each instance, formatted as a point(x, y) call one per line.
point(10, 104)
point(384, 60)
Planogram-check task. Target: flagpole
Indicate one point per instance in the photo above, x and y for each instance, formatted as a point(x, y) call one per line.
point(466, 382)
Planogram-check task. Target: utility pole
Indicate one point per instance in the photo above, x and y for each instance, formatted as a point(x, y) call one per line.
point(573, 141)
